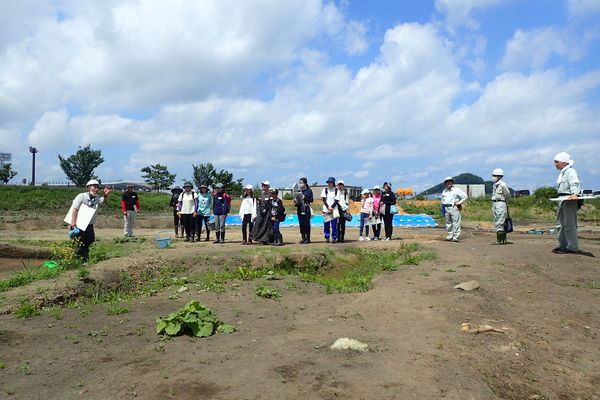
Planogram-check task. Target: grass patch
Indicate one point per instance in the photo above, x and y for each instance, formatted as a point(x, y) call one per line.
point(267, 292)
point(27, 310)
point(27, 275)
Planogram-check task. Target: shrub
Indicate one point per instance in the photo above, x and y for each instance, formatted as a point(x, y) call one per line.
point(194, 318)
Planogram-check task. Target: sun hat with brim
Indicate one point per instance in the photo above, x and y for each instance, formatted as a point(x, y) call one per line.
point(330, 179)
point(203, 186)
point(219, 185)
point(92, 182)
point(248, 187)
point(498, 172)
point(340, 182)
point(448, 178)
point(176, 189)
point(187, 184)
point(266, 183)
point(376, 187)
point(365, 191)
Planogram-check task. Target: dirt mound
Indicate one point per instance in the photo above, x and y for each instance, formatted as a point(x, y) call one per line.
point(16, 251)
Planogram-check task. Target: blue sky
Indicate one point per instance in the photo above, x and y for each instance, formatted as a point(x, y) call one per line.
point(407, 91)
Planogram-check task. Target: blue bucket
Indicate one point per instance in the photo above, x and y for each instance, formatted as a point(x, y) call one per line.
point(163, 243)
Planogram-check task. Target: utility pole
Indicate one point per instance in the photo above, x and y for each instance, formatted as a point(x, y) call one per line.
point(33, 151)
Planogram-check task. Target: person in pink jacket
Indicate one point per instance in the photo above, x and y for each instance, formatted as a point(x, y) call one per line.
point(376, 211)
point(366, 212)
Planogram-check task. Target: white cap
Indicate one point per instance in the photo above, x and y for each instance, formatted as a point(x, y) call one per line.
point(266, 183)
point(248, 186)
point(498, 172)
point(92, 182)
point(376, 187)
point(340, 182)
point(448, 178)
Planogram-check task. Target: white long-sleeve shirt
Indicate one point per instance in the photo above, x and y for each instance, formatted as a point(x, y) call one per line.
point(454, 195)
point(248, 206)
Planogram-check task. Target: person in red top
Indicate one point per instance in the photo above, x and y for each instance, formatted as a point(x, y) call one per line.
point(130, 205)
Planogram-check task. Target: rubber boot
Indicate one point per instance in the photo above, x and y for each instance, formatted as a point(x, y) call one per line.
point(218, 240)
point(307, 238)
point(176, 230)
point(503, 238)
point(222, 237)
point(278, 240)
point(303, 241)
point(207, 235)
point(244, 237)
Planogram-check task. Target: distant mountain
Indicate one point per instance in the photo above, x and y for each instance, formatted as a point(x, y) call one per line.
point(463, 179)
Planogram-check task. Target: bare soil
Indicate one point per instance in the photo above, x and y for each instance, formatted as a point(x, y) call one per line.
point(548, 305)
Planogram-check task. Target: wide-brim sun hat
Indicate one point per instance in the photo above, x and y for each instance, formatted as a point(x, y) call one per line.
point(340, 182)
point(448, 178)
point(187, 184)
point(365, 191)
point(203, 186)
point(248, 187)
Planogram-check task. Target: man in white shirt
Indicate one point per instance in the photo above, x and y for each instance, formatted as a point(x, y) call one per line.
point(452, 199)
point(566, 216)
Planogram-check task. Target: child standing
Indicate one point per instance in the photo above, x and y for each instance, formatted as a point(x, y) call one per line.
point(204, 207)
point(277, 214)
point(366, 212)
point(248, 213)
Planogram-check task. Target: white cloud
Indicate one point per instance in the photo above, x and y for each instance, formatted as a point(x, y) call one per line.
point(458, 12)
point(583, 8)
point(534, 48)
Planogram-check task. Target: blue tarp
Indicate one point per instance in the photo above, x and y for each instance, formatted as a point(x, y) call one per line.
point(415, 221)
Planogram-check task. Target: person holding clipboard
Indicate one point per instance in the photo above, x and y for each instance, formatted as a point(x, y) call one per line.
point(83, 217)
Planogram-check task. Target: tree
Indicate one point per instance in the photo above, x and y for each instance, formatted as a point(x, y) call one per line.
point(7, 173)
point(79, 167)
point(158, 176)
point(206, 174)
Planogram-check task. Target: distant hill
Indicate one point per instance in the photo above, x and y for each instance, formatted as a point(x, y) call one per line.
point(463, 179)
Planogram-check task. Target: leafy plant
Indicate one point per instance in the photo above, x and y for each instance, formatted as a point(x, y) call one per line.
point(267, 292)
point(194, 318)
point(83, 273)
point(27, 310)
point(116, 310)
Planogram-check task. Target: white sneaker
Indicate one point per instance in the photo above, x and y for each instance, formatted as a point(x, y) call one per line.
point(387, 238)
point(367, 238)
point(361, 238)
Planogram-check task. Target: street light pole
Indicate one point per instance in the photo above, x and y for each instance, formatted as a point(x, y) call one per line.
point(33, 151)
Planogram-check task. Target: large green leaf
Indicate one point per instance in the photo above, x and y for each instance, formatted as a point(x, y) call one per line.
point(224, 328)
point(161, 325)
point(206, 329)
point(172, 328)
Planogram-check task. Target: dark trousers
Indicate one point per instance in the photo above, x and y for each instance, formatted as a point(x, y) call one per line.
point(376, 230)
point(387, 222)
point(341, 227)
point(175, 217)
point(198, 224)
point(187, 220)
point(275, 227)
point(83, 241)
point(304, 221)
point(247, 223)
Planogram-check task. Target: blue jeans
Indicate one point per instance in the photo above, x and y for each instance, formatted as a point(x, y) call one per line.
point(363, 216)
point(275, 226)
point(334, 232)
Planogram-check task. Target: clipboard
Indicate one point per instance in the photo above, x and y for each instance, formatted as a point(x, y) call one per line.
point(84, 216)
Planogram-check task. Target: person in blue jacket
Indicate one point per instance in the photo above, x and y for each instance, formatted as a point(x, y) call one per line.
point(221, 207)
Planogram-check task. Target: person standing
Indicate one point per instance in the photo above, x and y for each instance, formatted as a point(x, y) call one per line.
point(304, 210)
point(205, 200)
point(342, 199)
point(221, 207)
point(261, 231)
point(452, 200)
point(377, 211)
point(175, 192)
point(276, 212)
point(131, 206)
point(366, 212)
point(85, 238)
point(330, 210)
point(500, 197)
point(388, 199)
point(566, 216)
point(248, 213)
point(187, 205)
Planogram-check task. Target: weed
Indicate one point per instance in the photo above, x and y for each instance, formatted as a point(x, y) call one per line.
point(464, 266)
point(267, 293)
point(101, 332)
point(116, 310)
point(27, 310)
point(424, 274)
point(9, 390)
point(79, 384)
point(292, 285)
point(449, 270)
point(83, 273)
point(2, 365)
point(27, 275)
point(74, 339)
point(25, 368)
point(55, 312)
point(531, 378)
point(594, 285)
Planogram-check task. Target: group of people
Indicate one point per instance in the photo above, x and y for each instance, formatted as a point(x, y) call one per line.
point(262, 215)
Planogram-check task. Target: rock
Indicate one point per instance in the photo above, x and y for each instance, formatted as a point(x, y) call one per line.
point(349, 344)
point(467, 286)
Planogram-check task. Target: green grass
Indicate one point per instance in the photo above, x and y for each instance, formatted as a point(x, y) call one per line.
point(27, 275)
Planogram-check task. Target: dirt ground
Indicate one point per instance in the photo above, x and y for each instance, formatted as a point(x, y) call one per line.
point(548, 306)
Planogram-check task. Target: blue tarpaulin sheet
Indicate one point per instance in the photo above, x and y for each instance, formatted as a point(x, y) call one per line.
point(414, 221)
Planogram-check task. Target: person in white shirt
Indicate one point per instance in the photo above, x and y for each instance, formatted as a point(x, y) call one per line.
point(187, 206)
point(247, 213)
point(500, 196)
point(330, 210)
point(342, 198)
point(452, 200)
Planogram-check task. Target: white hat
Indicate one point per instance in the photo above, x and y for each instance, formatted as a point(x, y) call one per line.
point(498, 172)
point(376, 187)
point(248, 186)
point(448, 178)
point(563, 157)
point(340, 182)
point(92, 182)
point(365, 191)
point(266, 183)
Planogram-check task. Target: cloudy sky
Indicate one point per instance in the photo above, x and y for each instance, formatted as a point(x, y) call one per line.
point(401, 90)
